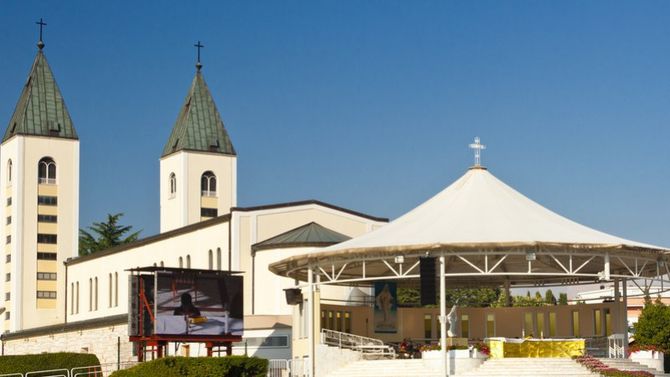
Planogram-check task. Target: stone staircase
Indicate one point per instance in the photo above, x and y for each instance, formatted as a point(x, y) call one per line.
point(536, 367)
point(386, 368)
point(628, 364)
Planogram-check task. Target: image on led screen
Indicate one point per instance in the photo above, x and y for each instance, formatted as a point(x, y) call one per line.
point(194, 305)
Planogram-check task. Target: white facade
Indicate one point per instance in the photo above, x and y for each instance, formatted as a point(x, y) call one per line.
point(181, 195)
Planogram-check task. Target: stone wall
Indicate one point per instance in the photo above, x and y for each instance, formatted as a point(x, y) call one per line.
point(101, 341)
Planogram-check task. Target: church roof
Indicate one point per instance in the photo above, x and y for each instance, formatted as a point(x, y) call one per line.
point(199, 126)
point(41, 110)
point(311, 234)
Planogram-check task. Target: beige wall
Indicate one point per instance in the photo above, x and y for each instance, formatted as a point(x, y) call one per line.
point(508, 321)
point(184, 207)
point(250, 228)
point(25, 152)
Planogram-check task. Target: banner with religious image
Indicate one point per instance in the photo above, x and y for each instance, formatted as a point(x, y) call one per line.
point(386, 307)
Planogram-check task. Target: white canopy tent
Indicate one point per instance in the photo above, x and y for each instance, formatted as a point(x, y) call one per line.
point(484, 233)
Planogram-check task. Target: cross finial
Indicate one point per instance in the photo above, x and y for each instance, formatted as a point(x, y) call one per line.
point(40, 43)
point(477, 147)
point(198, 45)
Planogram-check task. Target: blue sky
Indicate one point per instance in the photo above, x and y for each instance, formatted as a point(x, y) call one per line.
point(369, 105)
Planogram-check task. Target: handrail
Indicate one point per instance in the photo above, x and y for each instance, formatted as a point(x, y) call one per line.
point(356, 342)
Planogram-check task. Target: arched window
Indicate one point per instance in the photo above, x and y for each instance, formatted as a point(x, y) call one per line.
point(218, 258)
point(116, 289)
point(208, 184)
point(188, 261)
point(72, 298)
point(211, 260)
point(181, 262)
point(162, 264)
point(46, 171)
point(90, 295)
point(9, 172)
point(95, 297)
point(173, 185)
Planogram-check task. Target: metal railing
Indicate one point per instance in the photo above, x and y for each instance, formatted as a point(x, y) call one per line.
point(286, 368)
point(47, 181)
point(101, 370)
point(365, 345)
point(616, 347)
point(208, 193)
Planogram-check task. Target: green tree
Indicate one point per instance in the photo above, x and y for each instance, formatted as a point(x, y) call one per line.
point(409, 296)
point(103, 235)
point(653, 326)
point(563, 299)
point(549, 297)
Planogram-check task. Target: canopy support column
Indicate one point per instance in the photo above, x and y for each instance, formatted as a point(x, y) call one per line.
point(443, 317)
point(310, 320)
point(624, 287)
point(508, 294)
point(617, 300)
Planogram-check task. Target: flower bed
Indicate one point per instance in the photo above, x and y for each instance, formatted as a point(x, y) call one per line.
point(598, 366)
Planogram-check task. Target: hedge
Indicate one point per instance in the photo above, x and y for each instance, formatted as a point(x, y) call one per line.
point(230, 366)
point(45, 361)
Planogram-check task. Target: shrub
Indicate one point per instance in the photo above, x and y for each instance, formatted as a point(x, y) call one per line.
point(45, 361)
point(231, 366)
point(653, 327)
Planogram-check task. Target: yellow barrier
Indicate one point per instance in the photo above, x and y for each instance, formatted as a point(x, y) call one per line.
point(501, 347)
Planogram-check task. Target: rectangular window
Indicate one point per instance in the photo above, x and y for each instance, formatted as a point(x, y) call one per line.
point(323, 319)
point(347, 322)
point(46, 294)
point(8, 258)
point(47, 218)
point(6, 315)
point(528, 324)
point(209, 212)
point(9, 220)
point(575, 323)
point(490, 325)
point(7, 296)
point(8, 277)
point(275, 341)
point(552, 324)
point(597, 323)
point(338, 321)
point(46, 276)
point(331, 319)
point(465, 326)
point(427, 326)
point(540, 325)
point(608, 322)
point(46, 256)
point(9, 239)
point(47, 238)
point(9, 201)
point(47, 200)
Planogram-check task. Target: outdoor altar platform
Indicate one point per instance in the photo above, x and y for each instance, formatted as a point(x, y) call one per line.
point(531, 347)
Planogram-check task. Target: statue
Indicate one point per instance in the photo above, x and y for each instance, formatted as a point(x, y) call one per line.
point(453, 321)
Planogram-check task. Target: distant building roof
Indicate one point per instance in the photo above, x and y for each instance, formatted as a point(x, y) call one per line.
point(199, 126)
point(41, 110)
point(311, 234)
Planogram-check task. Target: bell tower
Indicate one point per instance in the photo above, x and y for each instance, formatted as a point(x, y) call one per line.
point(198, 167)
point(39, 198)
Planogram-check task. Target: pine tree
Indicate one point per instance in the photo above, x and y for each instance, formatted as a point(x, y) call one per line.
point(104, 235)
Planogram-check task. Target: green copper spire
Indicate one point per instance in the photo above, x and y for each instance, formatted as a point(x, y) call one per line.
point(41, 110)
point(199, 126)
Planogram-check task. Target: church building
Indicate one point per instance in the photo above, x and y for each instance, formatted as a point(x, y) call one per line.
point(54, 300)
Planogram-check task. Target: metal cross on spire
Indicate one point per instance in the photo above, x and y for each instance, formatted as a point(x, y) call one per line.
point(198, 45)
point(477, 147)
point(40, 44)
